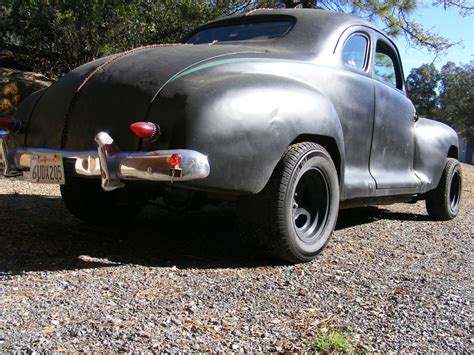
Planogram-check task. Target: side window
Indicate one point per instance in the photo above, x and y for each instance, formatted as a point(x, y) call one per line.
point(354, 53)
point(386, 66)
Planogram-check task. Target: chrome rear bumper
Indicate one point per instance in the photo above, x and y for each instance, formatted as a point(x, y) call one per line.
point(108, 162)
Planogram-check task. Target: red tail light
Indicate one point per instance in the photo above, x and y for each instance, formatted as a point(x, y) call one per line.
point(145, 130)
point(175, 161)
point(10, 124)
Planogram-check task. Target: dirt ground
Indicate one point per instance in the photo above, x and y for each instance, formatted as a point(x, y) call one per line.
point(391, 279)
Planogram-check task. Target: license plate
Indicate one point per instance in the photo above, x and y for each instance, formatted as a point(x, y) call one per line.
point(47, 169)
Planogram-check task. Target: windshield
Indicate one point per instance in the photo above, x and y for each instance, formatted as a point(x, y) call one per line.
point(241, 32)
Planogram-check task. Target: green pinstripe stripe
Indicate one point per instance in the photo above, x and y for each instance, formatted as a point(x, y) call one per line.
point(230, 61)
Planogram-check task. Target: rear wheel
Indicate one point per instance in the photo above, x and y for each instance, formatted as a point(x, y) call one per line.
point(86, 200)
point(301, 203)
point(444, 202)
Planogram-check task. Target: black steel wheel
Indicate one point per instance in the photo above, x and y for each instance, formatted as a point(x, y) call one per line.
point(302, 203)
point(310, 205)
point(444, 202)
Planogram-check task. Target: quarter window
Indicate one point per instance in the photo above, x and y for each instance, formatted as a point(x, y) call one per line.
point(354, 52)
point(386, 67)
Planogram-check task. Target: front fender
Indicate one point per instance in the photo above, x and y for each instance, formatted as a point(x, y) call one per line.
point(433, 140)
point(244, 123)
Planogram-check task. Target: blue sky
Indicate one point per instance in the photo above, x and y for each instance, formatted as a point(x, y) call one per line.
point(447, 23)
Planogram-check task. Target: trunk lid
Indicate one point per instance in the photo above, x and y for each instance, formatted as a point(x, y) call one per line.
point(111, 93)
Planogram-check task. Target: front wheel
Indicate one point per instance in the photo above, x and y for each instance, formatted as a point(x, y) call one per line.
point(302, 199)
point(444, 202)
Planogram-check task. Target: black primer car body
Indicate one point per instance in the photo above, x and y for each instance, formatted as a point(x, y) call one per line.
point(243, 103)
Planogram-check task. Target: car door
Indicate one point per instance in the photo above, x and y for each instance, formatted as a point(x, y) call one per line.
point(393, 142)
point(351, 90)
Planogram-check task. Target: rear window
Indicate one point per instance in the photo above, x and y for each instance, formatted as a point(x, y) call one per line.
point(241, 32)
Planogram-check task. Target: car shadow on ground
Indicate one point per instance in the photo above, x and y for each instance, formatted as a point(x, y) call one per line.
point(363, 215)
point(38, 233)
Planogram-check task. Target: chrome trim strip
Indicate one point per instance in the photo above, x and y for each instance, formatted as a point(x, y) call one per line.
point(109, 163)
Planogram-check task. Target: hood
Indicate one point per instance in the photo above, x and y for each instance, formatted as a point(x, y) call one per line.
point(111, 93)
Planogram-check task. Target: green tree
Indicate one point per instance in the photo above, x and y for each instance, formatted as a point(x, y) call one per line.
point(55, 36)
point(422, 83)
point(457, 97)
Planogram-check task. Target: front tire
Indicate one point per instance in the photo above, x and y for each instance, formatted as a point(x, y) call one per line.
point(444, 202)
point(302, 203)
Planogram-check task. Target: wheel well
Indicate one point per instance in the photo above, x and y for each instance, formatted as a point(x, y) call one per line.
point(453, 152)
point(328, 143)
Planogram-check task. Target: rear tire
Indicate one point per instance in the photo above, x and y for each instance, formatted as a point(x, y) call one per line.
point(300, 204)
point(86, 200)
point(444, 202)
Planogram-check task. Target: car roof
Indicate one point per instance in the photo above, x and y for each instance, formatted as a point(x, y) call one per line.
point(314, 30)
point(308, 16)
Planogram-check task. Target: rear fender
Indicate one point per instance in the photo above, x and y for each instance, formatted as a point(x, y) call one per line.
point(244, 123)
point(23, 114)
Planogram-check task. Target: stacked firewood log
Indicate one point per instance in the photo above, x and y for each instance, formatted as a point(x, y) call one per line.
point(15, 86)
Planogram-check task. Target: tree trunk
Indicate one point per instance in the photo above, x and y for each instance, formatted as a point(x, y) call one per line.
point(304, 3)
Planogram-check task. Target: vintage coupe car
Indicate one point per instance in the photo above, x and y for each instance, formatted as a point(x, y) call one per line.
point(293, 113)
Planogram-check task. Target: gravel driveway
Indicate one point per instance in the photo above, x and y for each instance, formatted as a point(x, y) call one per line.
point(390, 278)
